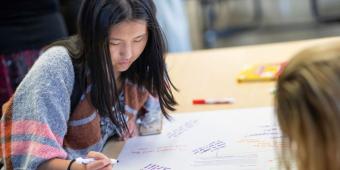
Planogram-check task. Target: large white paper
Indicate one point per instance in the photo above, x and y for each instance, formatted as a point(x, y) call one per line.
point(243, 139)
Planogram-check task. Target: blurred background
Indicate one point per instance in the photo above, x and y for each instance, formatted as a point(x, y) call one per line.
point(26, 27)
point(225, 23)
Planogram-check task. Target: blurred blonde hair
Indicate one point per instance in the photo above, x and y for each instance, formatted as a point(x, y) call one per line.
point(307, 105)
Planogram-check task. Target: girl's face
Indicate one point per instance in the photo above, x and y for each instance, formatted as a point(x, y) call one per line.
point(127, 41)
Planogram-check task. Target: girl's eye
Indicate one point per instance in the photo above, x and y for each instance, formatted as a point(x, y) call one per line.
point(114, 43)
point(138, 39)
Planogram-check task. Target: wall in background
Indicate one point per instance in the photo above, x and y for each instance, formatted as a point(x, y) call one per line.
point(274, 13)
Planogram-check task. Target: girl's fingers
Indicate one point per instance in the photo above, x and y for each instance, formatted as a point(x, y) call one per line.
point(102, 162)
point(108, 167)
point(99, 164)
point(96, 155)
point(135, 132)
point(132, 130)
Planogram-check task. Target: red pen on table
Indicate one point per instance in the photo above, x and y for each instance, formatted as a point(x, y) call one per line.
point(228, 100)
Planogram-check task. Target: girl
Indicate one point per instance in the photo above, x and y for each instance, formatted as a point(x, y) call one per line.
point(88, 88)
point(307, 107)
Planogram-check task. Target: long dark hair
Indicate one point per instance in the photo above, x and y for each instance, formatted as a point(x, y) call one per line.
point(90, 51)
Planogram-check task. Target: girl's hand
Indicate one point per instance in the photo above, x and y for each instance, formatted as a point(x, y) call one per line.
point(102, 162)
point(133, 128)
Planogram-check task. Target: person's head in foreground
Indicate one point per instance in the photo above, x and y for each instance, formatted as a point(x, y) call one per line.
point(308, 109)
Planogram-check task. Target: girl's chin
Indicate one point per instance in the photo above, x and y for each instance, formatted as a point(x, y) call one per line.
point(122, 69)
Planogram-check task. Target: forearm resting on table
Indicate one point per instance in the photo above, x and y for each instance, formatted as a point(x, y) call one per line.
point(60, 164)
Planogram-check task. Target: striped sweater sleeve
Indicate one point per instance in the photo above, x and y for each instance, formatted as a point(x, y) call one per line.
point(33, 129)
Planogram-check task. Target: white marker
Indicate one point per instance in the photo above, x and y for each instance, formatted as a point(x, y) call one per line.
point(89, 160)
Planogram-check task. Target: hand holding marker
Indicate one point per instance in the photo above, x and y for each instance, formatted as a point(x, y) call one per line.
point(89, 160)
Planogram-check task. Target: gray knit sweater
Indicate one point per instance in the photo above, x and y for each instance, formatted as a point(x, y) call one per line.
point(35, 128)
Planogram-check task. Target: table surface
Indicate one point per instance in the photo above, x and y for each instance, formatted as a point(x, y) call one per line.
point(212, 74)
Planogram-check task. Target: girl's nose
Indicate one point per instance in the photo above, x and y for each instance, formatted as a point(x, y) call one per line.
point(126, 51)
